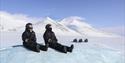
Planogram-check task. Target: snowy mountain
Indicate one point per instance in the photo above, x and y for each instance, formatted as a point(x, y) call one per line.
point(58, 28)
point(72, 26)
point(10, 22)
point(79, 25)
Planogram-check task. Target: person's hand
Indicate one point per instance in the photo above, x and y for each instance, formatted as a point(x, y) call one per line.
point(26, 40)
point(49, 40)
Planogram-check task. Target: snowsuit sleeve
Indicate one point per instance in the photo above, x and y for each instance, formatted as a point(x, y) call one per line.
point(54, 37)
point(34, 37)
point(24, 36)
point(46, 37)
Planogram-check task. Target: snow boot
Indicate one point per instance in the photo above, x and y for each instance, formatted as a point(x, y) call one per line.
point(44, 48)
point(70, 49)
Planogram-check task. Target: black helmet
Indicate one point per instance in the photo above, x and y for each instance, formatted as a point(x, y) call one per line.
point(27, 25)
point(48, 26)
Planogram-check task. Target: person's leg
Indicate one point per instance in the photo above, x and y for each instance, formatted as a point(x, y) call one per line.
point(70, 49)
point(61, 47)
point(25, 45)
point(31, 46)
point(64, 48)
point(35, 47)
point(43, 47)
point(58, 47)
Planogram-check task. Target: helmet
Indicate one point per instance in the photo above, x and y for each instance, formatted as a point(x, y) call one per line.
point(48, 26)
point(27, 26)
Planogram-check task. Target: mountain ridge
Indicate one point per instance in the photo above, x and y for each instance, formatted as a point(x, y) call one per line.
point(73, 25)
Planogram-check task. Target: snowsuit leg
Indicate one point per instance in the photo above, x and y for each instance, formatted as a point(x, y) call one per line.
point(31, 46)
point(43, 47)
point(58, 47)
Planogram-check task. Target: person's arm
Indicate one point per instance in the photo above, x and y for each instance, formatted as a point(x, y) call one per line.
point(55, 37)
point(47, 37)
point(24, 37)
point(35, 37)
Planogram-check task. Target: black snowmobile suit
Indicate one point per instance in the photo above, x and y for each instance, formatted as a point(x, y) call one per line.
point(51, 40)
point(31, 44)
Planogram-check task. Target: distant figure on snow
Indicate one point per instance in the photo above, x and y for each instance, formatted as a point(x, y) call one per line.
point(80, 40)
point(75, 40)
point(86, 40)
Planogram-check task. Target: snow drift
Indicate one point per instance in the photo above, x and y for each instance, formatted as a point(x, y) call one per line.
point(81, 54)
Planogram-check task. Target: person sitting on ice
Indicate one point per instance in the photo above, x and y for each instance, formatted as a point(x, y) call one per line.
point(29, 39)
point(52, 42)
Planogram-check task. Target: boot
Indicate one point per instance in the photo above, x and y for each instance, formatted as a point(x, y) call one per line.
point(37, 48)
point(70, 49)
point(44, 48)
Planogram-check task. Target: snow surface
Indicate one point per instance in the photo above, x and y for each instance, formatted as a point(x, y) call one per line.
point(97, 50)
point(82, 53)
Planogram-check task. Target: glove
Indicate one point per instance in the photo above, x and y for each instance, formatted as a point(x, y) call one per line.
point(49, 40)
point(26, 40)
